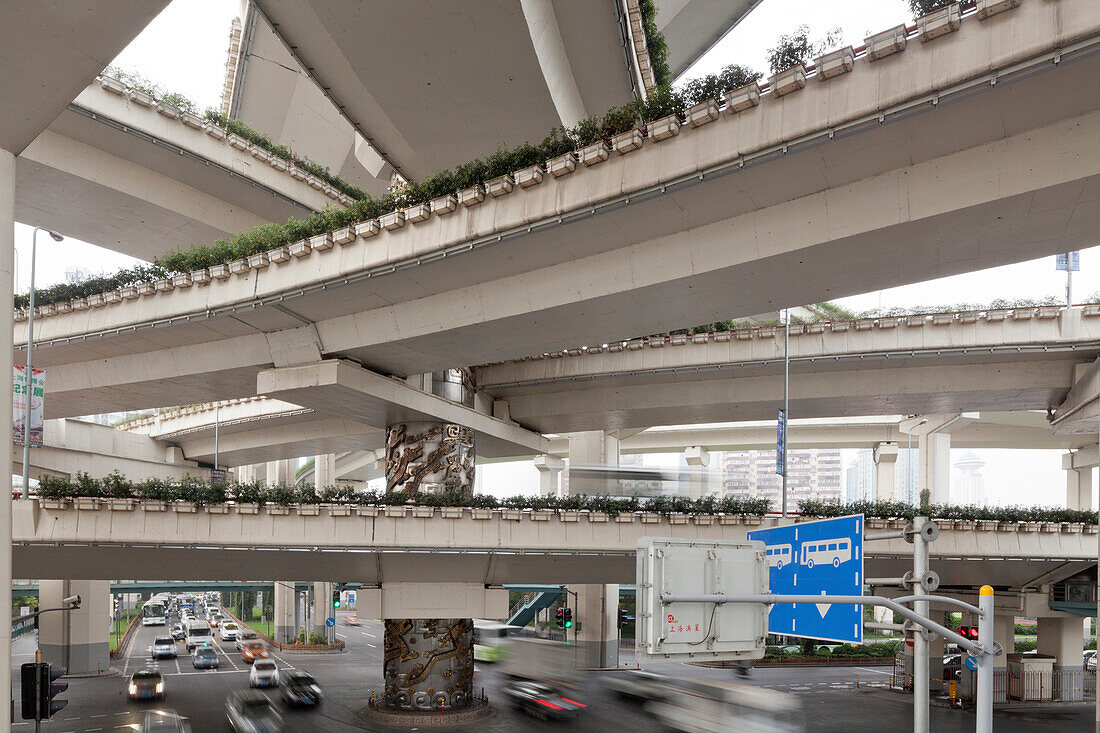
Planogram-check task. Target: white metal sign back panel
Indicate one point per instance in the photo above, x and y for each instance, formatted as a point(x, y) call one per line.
point(678, 632)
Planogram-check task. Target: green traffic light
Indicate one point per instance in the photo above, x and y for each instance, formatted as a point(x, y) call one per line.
point(568, 624)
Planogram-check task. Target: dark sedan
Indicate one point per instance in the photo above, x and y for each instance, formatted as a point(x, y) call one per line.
point(541, 701)
point(299, 688)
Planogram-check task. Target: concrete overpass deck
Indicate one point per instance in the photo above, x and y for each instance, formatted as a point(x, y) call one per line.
point(372, 545)
point(114, 172)
point(804, 198)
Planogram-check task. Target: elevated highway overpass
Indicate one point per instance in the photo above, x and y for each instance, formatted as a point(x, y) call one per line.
point(795, 201)
point(373, 546)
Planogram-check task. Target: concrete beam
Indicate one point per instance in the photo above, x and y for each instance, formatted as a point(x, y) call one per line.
point(1080, 411)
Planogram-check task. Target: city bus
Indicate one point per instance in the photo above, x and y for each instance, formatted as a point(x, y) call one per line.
point(154, 613)
point(491, 640)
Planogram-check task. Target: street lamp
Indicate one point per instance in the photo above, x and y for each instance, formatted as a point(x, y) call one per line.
point(30, 372)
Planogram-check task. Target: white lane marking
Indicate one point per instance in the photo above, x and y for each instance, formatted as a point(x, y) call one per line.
point(340, 636)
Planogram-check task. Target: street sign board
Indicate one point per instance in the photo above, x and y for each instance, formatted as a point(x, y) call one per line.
point(781, 443)
point(680, 632)
point(1070, 261)
point(330, 622)
point(971, 663)
point(816, 558)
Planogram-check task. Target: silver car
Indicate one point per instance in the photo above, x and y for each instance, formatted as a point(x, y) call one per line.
point(264, 673)
point(249, 711)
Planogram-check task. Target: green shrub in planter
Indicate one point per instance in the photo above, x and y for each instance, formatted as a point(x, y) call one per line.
point(716, 86)
point(154, 490)
point(116, 486)
point(281, 494)
point(251, 492)
point(56, 487)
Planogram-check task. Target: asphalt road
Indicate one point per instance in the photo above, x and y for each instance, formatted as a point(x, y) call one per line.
point(826, 696)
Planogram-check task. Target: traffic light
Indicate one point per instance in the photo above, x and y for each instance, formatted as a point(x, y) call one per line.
point(969, 632)
point(624, 617)
point(37, 689)
point(559, 617)
point(567, 617)
point(336, 596)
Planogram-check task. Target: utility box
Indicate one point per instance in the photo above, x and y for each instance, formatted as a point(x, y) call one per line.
point(1030, 677)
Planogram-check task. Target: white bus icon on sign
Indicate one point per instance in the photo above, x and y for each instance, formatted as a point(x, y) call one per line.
point(779, 555)
point(827, 552)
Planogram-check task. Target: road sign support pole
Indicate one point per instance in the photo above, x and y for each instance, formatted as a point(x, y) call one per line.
point(786, 398)
point(984, 711)
point(921, 681)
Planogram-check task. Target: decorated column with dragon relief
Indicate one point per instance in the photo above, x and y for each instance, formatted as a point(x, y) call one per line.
point(429, 663)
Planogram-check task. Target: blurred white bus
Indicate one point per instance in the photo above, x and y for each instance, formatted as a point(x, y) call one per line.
point(491, 640)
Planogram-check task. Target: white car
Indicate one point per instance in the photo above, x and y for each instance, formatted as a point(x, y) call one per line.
point(264, 673)
point(228, 631)
point(245, 635)
point(163, 647)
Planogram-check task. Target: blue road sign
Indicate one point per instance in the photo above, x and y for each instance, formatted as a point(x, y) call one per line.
point(330, 621)
point(1070, 261)
point(816, 558)
point(971, 663)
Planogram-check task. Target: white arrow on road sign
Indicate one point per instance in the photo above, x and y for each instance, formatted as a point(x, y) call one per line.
point(823, 608)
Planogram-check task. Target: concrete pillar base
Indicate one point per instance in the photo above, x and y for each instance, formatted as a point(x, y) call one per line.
point(428, 664)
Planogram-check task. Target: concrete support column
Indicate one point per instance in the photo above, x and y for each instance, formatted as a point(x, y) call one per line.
point(324, 471)
point(280, 472)
point(429, 662)
point(697, 459)
point(590, 454)
point(78, 640)
point(1061, 639)
point(886, 458)
point(1078, 484)
point(7, 292)
point(322, 607)
point(1004, 633)
point(542, 24)
point(549, 469)
point(285, 622)
point(597, 617)
point(934, 466)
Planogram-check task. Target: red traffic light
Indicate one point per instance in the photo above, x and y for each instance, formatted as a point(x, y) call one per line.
point(968, 632)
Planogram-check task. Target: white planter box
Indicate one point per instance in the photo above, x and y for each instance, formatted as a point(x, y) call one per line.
point(321, 242)
point(481, 513)
point(145, 99)
point(168, 110)
point(315, 182)
point(418, 213)
point(989, 8)
point(345, 235)
point(128, 292)
point(562, 165)
point(471, 196)
point(1022, 314)
point(1049, 311)
point(111, 296)
point(277, 163)
point(367, 229)
point(163, 285)
point(529, 176)
point(238, 267)
point(339, 510)
point(46, 310)
point(113, 85)
point(214, 131)
point(300, 248)
point(152, 505)
point(96, 300)
point(597, 517)
point(184, 507)
point(216, 508)
point(309, 510)
point(788, 81)
point(703, 113)
point(86, 503)
point(181, 281)
point(20, 314)
point(220, 272)
point(865, 324)
point(1092, 309)
point(444, 205)
point(120, 505)
point(297, 173)
point(836, 63)
point(451, 512)
point(193, 121)
point(500, 185)
point(942, 319)
point(884, 44)
point(237, 141)
point(595, 153)
point(997, 314)
point(144, 289)
point(279, 254)
point(259, 153)
point(392, 220)
point(258, 261)
point(366, 511)
point(664, 128)
point(914, 320)
point(939, 23)
point(742, 99)
point(513, 515)
point(247, 508)
point(885, 323)
point(970, 317)
point(200, 277)
point(626, 142)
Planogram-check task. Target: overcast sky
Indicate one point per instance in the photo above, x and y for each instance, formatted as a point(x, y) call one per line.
point(184, 50)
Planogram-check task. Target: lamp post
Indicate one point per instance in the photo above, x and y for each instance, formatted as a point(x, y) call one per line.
point(28, 375)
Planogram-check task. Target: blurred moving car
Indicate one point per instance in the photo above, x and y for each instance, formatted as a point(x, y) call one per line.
point(264, 673)
point(253, 650)
point(1089, 659)
point(638, 684)
point(721, 706)
point(244, 634)
point(146, 684)
point(205, 657)
point(164, 647)
point(540, 700)
point(163, 721)
point(299, 688)
point(228, 631)
point(178, 633)
point(250, 711)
